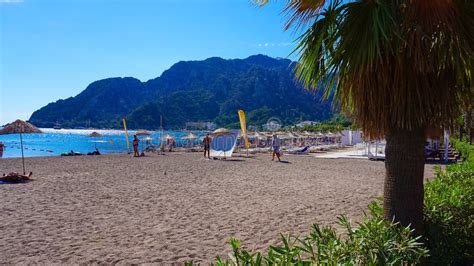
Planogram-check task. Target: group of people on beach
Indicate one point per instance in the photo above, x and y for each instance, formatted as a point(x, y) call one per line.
point(276, 146)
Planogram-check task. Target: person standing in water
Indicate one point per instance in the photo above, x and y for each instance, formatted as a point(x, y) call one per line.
point(135, 146)
point(207, 146)
point(276, 143)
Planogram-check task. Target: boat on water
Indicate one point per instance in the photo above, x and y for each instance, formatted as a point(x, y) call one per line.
point(57, 126)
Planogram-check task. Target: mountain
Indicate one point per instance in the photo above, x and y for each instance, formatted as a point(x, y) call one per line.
point(208, 90)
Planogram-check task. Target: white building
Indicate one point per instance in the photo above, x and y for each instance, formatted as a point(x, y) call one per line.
point(307, 123)
point(200, 125)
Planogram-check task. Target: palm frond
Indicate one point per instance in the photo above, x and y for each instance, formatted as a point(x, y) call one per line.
point(299, 12)
point(393, 64)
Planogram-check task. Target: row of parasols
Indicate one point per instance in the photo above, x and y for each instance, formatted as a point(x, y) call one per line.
point(254, 135)
point(190, 136)
point(295, 135)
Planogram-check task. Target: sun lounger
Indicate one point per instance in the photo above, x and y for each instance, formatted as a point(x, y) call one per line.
point(299, 151)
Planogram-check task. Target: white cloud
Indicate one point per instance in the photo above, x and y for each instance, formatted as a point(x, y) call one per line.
point(273, 44)
point(10, 1)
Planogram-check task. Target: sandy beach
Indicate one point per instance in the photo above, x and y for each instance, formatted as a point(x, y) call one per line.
point(173, 208)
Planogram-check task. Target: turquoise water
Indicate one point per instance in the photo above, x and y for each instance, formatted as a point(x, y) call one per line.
point(54, 142)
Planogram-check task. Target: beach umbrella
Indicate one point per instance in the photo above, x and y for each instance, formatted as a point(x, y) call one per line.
point(258, 135)
point(142, 133)
point(291, 135)
point(169, 141)
point(167, 138)
point(191, 136)
point(148, 141)
point(221, 131)
point(20, 127)
point(95, 135)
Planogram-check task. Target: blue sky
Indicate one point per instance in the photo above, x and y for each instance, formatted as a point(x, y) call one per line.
point(52, 49)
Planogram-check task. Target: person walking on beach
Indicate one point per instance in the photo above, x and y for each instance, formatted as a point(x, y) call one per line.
point(135, 146)
point(207, 146)
point(276, 147)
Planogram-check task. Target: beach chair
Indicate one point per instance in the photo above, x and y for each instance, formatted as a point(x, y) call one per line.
point(299, 151)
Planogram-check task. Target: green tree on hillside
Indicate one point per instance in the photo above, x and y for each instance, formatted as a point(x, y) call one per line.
point(402, 68)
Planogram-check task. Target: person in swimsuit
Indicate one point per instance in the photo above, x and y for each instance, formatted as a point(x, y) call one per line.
point(2, 147)
point(135, 146)
point(207, 146)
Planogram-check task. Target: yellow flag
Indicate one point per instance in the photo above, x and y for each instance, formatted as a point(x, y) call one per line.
point(126, 134)
point(243, 126)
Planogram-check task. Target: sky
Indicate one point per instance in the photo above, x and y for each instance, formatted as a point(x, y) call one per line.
point(52, 49)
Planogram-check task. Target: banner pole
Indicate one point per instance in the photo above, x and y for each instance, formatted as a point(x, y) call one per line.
point(126, 134)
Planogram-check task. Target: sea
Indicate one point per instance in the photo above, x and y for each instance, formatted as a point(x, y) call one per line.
point(54, 142)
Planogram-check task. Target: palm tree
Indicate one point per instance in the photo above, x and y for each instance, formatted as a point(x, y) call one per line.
point(402, 68)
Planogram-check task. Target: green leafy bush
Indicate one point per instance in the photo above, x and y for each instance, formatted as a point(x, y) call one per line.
point(465, 149)
point(373, 242)
point(449, 212)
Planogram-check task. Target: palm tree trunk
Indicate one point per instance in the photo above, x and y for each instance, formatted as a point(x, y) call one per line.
point(403, 188)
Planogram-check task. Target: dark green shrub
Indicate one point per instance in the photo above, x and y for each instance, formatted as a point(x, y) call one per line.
point(465, 149)
point(449, 212)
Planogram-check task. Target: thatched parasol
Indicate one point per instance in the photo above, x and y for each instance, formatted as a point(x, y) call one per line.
point(95, 134)
point(142, 133)
point(259, 136)
point(20, 127)
point(167, 137)
point(292, 135)
point(221, 131)
point(191, 136)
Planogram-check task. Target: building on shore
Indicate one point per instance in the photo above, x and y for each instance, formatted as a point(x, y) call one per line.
point(307, 123)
